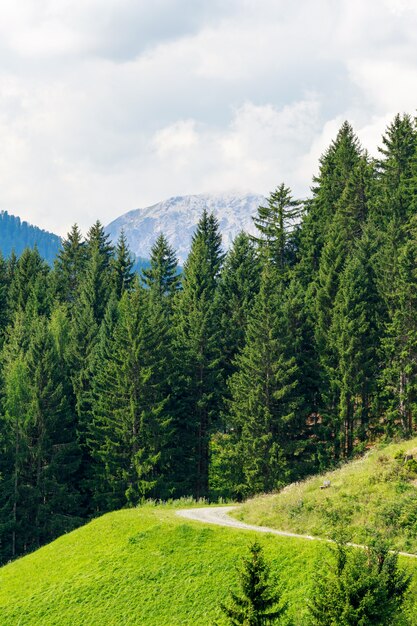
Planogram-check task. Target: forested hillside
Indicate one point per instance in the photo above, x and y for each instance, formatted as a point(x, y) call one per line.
point(294, 351)
point(16, 235)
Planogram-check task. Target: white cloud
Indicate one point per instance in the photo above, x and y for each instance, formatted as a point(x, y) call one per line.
point(106, 105)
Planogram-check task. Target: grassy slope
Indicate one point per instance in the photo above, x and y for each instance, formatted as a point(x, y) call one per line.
point(147, 566)
point(143, 566)
point(378, 491)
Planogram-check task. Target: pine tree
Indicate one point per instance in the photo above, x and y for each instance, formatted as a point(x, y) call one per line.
point(395, 201)
point(30, 278)
point(162, 275)
point(396, 169)
point(258, 604)
point(14, 440)
point(122, 268)
point(347, 225)
point(52, 496)
point(97, 279)
point(238, 286)
point(4, 304)
point(208, 231)
point(199, 357)
point(399, 376)
point(336, 166)
point(69, 266)
point(356, 330)
point(128, 429)
point(274, 223)
point(263, 395)
point(305, 446)
point(361, 587)
point(39, 429)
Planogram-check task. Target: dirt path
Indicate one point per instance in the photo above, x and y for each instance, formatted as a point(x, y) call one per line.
point(219, 516)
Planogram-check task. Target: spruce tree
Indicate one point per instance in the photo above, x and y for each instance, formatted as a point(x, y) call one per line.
point(122, 267)
point(263, 395)
point(399, 375)
point(336, 166)
point(129, 424)
point(274, 223)
point(4, 303)
point(30, 278)
point(97, 279)
point(356, 330)
point(52, 495)
point(162, 276)
point(238, 286)
point(69, 266)
point(258, 604)
point(360, 587)
point(199, 357)
point(38, 427)
point(14, 441)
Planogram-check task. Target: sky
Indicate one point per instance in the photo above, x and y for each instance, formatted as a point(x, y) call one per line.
point(111, 105)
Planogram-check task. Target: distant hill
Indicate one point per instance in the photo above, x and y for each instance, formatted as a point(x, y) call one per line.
point(17, 235)
point(177, 218)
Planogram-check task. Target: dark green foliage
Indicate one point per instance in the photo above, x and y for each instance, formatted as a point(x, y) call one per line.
point(263, 394)
point(69, 266)
point(198, 341)
point(356, 328)
point(360, 587)
point(238, 286)
point(275, 222)
point(162, 275)
point(129, 425)
point(123, 274)
point(39, 498)
point(400, 343)
point(242, 373)
point(30, 283)
point(258, 603)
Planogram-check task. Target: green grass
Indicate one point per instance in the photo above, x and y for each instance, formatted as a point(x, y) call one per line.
point(147, 566)
point(144, 566)
point(375, 493)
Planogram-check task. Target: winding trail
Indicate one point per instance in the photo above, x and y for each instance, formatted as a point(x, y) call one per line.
point(219, 516)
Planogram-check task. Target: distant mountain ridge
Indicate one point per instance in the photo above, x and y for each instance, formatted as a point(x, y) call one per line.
point(16, 235)
point(178, 216)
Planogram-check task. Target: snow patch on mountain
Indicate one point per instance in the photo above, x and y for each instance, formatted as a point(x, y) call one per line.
point(177, 218)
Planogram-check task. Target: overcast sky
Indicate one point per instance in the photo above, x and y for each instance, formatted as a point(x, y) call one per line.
point(109, 105)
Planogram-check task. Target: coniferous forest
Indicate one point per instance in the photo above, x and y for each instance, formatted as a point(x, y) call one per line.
point(248, 370)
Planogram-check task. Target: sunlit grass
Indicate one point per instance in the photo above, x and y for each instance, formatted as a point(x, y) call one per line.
point(377, 493)
point(144, 566)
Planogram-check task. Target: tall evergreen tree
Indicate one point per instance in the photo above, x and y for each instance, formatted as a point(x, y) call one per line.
point(238, 286)
point(69, 266)
point(123, 274)
point(399, 376)
point(162, 276)
point(199, 356)
point(4, 303)
point(263, 390)
point(30, 278)
point(38, 425)
point(128, 431)
point(97, 280)
point(275, 223)
point(356, 330)
point(336, 166)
